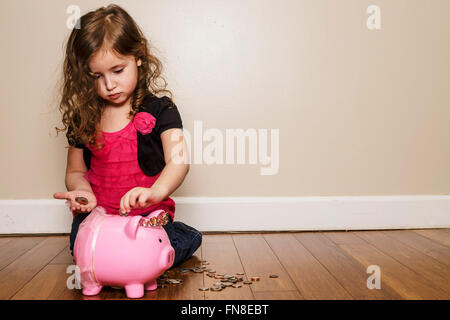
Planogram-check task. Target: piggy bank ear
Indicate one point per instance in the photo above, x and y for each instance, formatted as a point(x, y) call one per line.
point(155, 213)
point(132, 226)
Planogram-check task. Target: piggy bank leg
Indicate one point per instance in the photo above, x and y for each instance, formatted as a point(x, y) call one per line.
point(135, 290)
point(151, 285)
point(92, 290)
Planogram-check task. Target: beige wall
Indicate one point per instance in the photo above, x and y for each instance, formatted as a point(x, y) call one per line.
point(359, 112)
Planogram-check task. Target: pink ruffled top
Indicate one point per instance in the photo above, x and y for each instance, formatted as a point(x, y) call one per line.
point(115, 169)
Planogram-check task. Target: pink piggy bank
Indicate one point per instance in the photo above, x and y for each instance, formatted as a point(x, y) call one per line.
point(122, 251)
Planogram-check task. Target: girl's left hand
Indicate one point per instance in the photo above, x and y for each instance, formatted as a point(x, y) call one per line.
point(141, 197)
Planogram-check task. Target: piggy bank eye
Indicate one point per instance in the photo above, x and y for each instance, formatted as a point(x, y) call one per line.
point(160, 240)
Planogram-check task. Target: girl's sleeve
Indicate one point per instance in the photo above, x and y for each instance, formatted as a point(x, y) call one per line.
point(169, 117)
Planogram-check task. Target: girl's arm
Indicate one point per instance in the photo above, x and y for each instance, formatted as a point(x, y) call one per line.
point(77, 181)
point(76, 184)
point(176, 158)
point(171, 177)
point(75, 170)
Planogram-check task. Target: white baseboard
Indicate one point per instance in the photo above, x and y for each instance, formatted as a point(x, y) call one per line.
point(256, 213)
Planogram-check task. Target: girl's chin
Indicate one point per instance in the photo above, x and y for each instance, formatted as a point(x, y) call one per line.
point(117, 100)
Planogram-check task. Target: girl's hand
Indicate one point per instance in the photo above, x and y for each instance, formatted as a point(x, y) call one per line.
point(74, 206)
point(140, 197)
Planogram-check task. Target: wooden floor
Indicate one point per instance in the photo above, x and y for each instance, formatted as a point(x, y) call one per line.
point(414, 264)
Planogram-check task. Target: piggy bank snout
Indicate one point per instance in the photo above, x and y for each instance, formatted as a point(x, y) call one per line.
point(167, 257)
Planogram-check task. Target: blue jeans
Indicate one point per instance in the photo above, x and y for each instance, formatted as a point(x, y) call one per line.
point(184, 239)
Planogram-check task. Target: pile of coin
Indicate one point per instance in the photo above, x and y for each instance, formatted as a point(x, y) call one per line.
point(225, 280)
point(164, 279)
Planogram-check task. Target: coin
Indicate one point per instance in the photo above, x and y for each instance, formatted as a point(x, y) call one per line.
point(255, 278)
point(237, 285)
point(216, 289)
point(273, 276)
point(174, 281)
point(82, 200)
point(247, 282)
point(203, 289)
point(240, 273)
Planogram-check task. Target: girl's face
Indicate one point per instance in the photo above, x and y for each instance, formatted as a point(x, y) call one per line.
point(116, 76)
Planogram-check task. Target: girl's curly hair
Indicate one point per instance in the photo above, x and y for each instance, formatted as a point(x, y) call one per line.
point(80, 105)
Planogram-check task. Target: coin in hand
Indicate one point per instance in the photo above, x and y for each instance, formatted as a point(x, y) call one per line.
point(82, 200)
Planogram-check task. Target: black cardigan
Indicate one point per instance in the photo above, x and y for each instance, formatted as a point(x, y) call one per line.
point(150, 150)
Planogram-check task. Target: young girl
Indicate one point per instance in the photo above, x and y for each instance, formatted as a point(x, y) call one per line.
point(120, 133)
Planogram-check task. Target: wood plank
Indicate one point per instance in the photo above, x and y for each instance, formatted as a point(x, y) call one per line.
point(414, 265)
point(4, 240)
point(13, 247)
point(431, 248)
point(188, 290)
point(278, 295)
point(346, 269)
point(15, 275)
point(407, 283)
point(438, 235)
point(432, 270)
point(49, 284)
point(180, 291)
point(342, 237)
point(311, 278)
point(219, 250)
point(259, 260)
point(64, 257)
point(183, 291)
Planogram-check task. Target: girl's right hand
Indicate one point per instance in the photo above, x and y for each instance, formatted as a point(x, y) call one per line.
point(74, 206)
